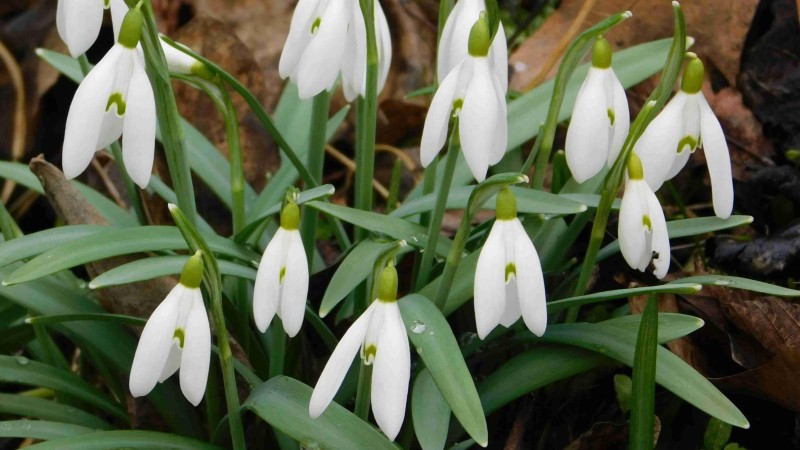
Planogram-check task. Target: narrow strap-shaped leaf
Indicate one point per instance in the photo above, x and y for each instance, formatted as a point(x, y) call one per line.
point(430, 412)
point(739, 283)
point(39, 408)
point(36, 243)
point(354, 269)
point(431, 335)
point(674, 288)
point(158, 266)
point(131, 439)
point(644, 379)
point(283, 403)
point(40, 429)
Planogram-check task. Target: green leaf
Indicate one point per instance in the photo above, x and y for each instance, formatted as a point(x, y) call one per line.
point(116, 242)
point(21, 370)
point(394, 227)
point(671, 288)
point(283, 403)
point(128, 439)
point(158, 266)
point(671, 371)
point(716, 435)
point(40, 429)
point(354, 269)
point(36, 243)
point(739, 283)
point(99, 317)
point(433, 339)
point(39, 408)
point(529, 201)
point(643, 391)
point(623, 387)
point(430, 412)
point(671, 326)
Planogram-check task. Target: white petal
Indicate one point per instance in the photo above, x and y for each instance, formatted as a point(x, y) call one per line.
point(86, 115)
point(478, 118)
point(78, 23)
point(295, 285)
point(118, 11)
point(340, 360)
point(630, 230)
point(319, 66)
point(298, 38)
point(660, 239)
point(154, 344)
point(434, 133)
point(455, 48)
point(111, 128)
point(354, 61)
point(173, 361)
point(718, 160)
point(530, 281)
point(267, 289)
point(622, 118)
point(587, 141)
point(384, 45)
point(139, 129)
point(391, 373)
point(177, 61)
point(511, 313)
point(498, 53)
point(501, 128)
point(658, 145)
point(196, 352)
point(490, 281)
point(690, 120)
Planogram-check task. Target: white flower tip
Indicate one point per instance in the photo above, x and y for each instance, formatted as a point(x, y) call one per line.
point(483, 443)
point(627, 15)
point(583, 208)
point(524, 178)
point(315, 408)
point(39, 52)
point(689, 41)
point(676, 4)
point(172, 206)
point(697, 287)
point(323, 312)
point(402, 243)
point(92, 285)
point(749, 219)
point(4, 283)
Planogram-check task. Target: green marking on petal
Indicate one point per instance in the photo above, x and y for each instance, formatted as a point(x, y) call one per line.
point(179, 335)
point(511, 269)
point(315, 25)
point(457, 104)
point(687, 141)
point(611, 116)
point(646, 222)
point(282, 275)
point(116, 99)
point(106, 4)
point(369, 354)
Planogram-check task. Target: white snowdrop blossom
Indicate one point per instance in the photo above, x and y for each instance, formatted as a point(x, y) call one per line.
point(600, 118)
point(79, 21)
point(472, 92)
point(282, 280)
point(177, 335)
point(508, 277)
point(642, 228)
point(686, 123)
point(114, 99)
point(329, 37)
point(453, 45)
point(181, 63)
point(381, 336)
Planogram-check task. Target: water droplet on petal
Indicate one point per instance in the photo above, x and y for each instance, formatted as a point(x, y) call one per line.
point(22, 361)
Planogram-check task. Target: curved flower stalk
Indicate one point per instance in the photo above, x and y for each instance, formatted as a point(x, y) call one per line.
point(508, 277)
point(600, 119)
point(329, 37)
point(381, 336)
point(177, 335)
point(282, 280)
point(453, 45)
point(114, 99)
point(79, 21)
point(686, 123)
point(642, 228)
point(472, 92)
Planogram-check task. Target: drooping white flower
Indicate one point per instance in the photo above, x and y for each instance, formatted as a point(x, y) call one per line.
point(600, 118)
point(642, 229)
point(453, 45)
point(472, 92)
point(79, 21)
point(328, 37)
point(508, 277)
point(177, 335)
point(282, 280)
point(381, 336)
point(114, 99)
point(686, 123)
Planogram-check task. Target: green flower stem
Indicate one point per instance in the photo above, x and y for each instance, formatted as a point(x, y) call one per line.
point(238, 212)
point(168, 117)
point(575, 53)
point(116, 151)
point(614, 178)
point(453, 149)
point(316, 159)
point(364, 391)
point(277, 350)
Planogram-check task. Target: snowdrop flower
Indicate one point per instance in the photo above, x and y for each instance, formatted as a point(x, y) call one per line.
point(328, 37)
point(642, 229)
point(381, 336)
point(453, 45)
point(177, 335)
point(282, 280)
point(508, 278)
point(686, 123)
point(79, 21)
point(182, 64)
point(114, 99)
point(600, 119)
point(472, 92)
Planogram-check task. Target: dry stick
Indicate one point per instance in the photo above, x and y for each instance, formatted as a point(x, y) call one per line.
point(351, 167)
point(20, 127)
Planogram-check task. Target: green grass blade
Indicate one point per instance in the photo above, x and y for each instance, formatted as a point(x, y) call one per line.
point(128, 439)
point(158, 266)
point(40, 429)
point(430, 412)
point(39, 408)
point(644, 379)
